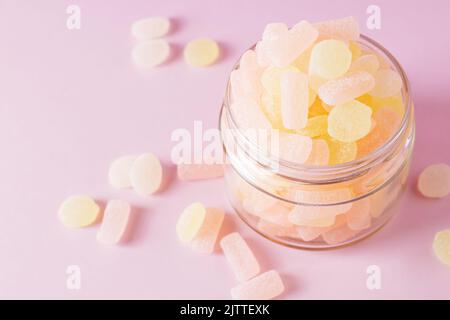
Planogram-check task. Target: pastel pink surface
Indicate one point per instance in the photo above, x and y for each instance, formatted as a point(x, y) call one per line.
point(71, 101)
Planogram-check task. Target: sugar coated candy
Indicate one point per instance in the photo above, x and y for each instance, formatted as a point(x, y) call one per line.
point(149, 28)
point(316, 126)
point(78, 211)
point(344, 29)
point(347, 88)
point(320, 153)
point(350, 121)
point(190, 222)
point(119, 171)
point(358, 217)
point(387, 83)
point(151, 53)
point(341, 152)
point(201, 52)
point(201, 171)
point(294, 147)
point(434, 181)
point(205, 239)
point(294, 99)
point(114, 223)
point(368, 63)
point(241, 259)
point(249, 115)
point(441, 246)
point(330, 59)
point(338, 235)
point(146, 174)
point(266, 286)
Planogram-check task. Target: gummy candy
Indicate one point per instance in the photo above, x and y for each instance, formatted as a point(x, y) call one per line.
point(270, 228)
point(271, 78)
point(320, 153)
point(248, 115)
point(387, 83)
point(78, 211)
point(239, 256)
point(345, 28)
point(368, 63)
point(277, 214)
point(114, 223)
point(316, 126)
point(201, 52)
point(338, 235)
point(190, 222)
point(308, 233)
point(146, 174)
point(294, 99)
point(151, 53)
point(150, 28)
point(434, 181)
point(441, 246)
point(355, 49)
point(350, 121)
point(347, 88)
point(294, 147)
point(205, 239)
point(267, 285)
point(119, 172)
point(190, 172)
point(358, 217)
point(341, 152)
point(330, 59)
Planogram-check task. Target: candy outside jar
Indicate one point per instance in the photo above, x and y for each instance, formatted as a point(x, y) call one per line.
point(310, 206)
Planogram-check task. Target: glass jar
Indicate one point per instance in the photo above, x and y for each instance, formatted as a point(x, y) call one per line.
point(317, 207)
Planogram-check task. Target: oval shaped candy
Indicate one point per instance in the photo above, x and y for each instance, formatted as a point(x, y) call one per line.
point(146, 174)
point(78, 211)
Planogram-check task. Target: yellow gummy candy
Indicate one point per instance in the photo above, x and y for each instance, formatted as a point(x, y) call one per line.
point(350, 121)
point(316, 126)
point(340, 152)
point(201, 52)
point(271, 78)
point(78, 211)
point(330, 59)
point(355, 49)
point(394, 102)
point(441, 246)
point(190, 222)
point(271, 106)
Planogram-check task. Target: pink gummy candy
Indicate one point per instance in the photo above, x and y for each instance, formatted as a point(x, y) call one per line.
point(189, 172)
point(359, 218)
point(347, 88)
point(338, 235)
point(115, 221)
point(294, 99)
point(266, 286)
point(239, 256)
point(344, 29)
point(206, 237)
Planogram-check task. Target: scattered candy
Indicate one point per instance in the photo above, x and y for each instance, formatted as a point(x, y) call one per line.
point(347, 88)
point(205, 239)
point(434, 181)
point(151, 53)
point(191, 172)
point(441, 246)
point(266, 286)
point(330, 59)
point(146, 174)
point(119, 172)
point(201, 52)
point(350, 121)
point(190, 222)
point(78, 211)
point(150, 28)
point(294, 100)
point(239, 256)
point(114, 223)
point(387, 83)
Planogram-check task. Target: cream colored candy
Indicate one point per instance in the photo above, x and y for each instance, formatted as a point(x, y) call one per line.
point(249, 115)
point(338, 235)
point(308, 233)
point(202, 171)
point(201, 52)
point(358, 217)
point(350, 121)
point(239, 256)
point(313, 216)
point(119, 172)
point(441, 246)
point(294, 100)
point(368, 63)
point(146, 174)
point(434, 181)
point(272, 229)
point(151, 53)
point(316, 126)
point(330, 59)
point(266, 286)
point(190, 222)
point(387, 83)
point(205, 239)
point(344, 29)
point(255, 201)
point(283, 46)
point(150, 28)
point(271, 78)
point(294, 147)
point(347, 88)
point(320, 153)
point(277, 214)
point(114, 223)
point(341, 152)
point(245, 81)
point(274, 31)
point(78, 211)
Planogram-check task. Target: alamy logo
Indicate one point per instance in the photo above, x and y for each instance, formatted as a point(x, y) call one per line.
point(373, 281)
point(374, 19)
point(73, 281)
point(73, 21)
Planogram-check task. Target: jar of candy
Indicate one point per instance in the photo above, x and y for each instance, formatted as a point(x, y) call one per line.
point(320, 204)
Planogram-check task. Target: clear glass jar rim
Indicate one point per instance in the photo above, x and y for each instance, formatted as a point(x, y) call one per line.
point(364, 162)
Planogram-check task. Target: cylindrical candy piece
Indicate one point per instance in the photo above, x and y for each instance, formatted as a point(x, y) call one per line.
point(206, 237)
point(267, 285)
point(78, 211)
point(114, 223)
point(146, 174)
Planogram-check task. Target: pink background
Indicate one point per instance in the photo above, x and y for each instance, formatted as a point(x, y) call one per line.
point(71, 101)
